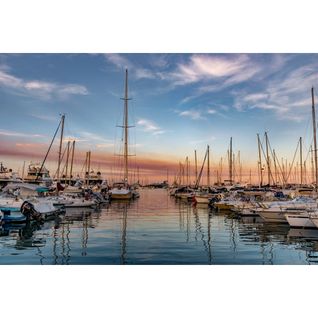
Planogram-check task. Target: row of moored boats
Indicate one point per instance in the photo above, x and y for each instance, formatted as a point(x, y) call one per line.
point(297, 207)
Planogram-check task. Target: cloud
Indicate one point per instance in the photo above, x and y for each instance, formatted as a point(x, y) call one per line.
point(41, 89)
point(10, 133)
point(211, 111)
point(286, 95)
point(206, 67)
point(44, 117)
point(150, 126)
point(193, 114)
point(91, 136)
point(107, 145)
point(200, 141)
point(121, 62)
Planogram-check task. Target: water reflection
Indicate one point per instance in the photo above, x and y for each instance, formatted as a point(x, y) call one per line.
point(156, 229)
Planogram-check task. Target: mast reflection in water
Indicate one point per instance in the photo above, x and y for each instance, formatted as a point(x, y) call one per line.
point(155, 229)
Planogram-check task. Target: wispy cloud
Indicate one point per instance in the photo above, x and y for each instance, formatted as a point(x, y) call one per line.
point(211, 111)
point(106, 145)
point(37, 88)
point(206, 67)
point(150, 126)
point(193, 114)
point(122, 62)
point(286, 95)
point(10, 133)
point(45, 117)
point(201, 141)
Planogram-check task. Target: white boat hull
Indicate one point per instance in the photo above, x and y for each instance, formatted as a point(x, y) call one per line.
point(272, 216)
point(299, 220)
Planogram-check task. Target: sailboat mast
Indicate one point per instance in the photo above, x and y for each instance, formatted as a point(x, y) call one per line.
point(301, 159)
point(315, 135)
point(126, 129)
point(221, 167)
point(196, 164)
point(260, 161)
point(275, 166)
point(230, 166)
point(67, 159)
point(88, 166)
point(72, 161)
point(187, 170)
point(60, 148)
point(208, 164)
point(23, 171)
point(267, 159)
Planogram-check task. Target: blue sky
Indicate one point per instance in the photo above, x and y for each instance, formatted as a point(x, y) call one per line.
point(181, 102)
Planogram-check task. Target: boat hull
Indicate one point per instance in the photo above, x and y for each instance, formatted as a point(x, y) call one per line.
point(299, 220)
point(314, 220)
point(121, 196)
point(272, 216)
point(202, 199)
point(224, 206)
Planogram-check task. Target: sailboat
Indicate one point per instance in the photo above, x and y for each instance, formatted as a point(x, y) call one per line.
point(122, 190)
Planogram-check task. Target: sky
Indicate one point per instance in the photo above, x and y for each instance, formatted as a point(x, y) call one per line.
point(180, 102)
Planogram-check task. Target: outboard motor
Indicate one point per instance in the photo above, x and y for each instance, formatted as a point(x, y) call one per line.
point(28, 210)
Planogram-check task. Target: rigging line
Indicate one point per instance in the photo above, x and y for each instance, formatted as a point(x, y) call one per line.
point(61, 160)
point(200, 174)
point(291, 167)
point(277, 162)
point(266, 159)
point(308, 151)
point(47, 153)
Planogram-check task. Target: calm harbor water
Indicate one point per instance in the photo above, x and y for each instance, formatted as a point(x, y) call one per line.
point(156, 229)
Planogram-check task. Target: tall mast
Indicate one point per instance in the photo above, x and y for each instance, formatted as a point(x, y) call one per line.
point(60, 148)
point(233, 168)
point(260, 161)
point(267, 159)
point(312, 164)
point(22, 171)
point(138, 175)
point(126, 129)
point(208, 164)
point(67, 159)
point(88, 166)
point(275, 166)
point(250, 177)
point(221, 167)
point(187, 170)
point(196, 164)
point(72, 161)
point(230, 166)
point(315, 136)
point(167, 175)
point(301, 159)
point(240, 166)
